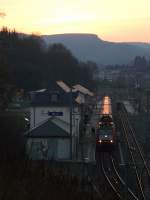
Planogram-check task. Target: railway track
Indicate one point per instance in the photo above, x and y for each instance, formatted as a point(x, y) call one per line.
point(109, 192)
point(136, 156)
point(115, 186)
point(118, 186)
point(131, 194)
point(110, 175)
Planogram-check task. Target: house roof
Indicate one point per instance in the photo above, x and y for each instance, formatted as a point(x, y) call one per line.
point(83, 90)
point(63, 85)
point(45, 98)
point(61, 91)
point(47, 129)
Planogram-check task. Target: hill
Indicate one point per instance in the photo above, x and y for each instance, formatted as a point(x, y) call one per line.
point(91, 47)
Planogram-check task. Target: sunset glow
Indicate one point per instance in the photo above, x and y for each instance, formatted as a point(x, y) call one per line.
point(113, 20)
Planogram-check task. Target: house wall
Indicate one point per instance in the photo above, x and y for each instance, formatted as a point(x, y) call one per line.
point(40, 114)
point(48, 148)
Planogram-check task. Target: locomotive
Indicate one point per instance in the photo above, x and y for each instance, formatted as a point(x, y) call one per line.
point(105, 134)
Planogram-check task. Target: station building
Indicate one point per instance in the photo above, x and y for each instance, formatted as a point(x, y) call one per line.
point(55, 120)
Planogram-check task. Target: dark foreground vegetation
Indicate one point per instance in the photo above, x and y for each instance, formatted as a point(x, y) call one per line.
point(41, 180)
point(12, 142)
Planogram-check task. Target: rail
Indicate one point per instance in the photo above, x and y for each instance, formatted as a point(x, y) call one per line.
point(110, 181)
point(132, 144)
point(122, 181)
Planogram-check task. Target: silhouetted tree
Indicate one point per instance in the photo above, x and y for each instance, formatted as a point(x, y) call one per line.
point(6, 78)
point(33, 66)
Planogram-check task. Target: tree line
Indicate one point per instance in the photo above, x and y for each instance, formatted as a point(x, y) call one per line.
point(26, 63)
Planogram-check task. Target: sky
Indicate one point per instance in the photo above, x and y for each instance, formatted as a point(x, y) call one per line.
point(111, 20)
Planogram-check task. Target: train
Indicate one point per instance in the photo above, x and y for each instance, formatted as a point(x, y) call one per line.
point(106, 132)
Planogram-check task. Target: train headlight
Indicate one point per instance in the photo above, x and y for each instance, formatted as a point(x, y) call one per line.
point(111, 141)
point(100, 141)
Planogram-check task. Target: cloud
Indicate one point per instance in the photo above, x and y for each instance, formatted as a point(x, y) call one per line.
point(2, 14)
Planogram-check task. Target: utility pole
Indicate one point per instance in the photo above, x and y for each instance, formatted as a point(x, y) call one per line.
point(71, 106)
point(126, 172)
point(34, 115)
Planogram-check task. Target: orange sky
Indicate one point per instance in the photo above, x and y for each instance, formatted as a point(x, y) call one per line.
point(113, 20)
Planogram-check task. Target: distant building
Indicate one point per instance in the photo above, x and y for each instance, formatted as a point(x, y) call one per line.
point(109, 74)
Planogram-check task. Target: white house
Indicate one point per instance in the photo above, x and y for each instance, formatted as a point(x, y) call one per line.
point(61, 106)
